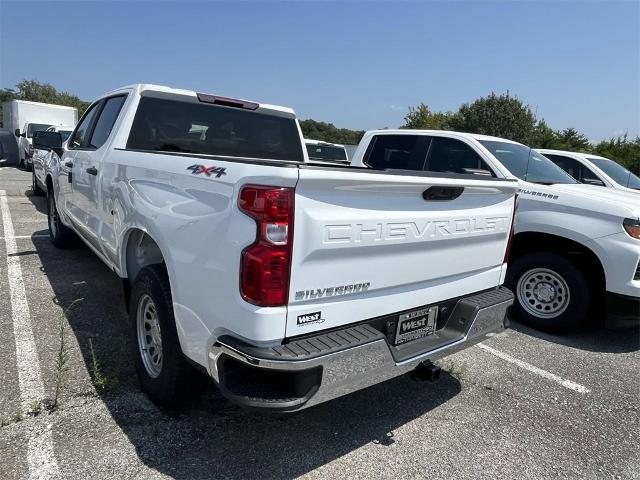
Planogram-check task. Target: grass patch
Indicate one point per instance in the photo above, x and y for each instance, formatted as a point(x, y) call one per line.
point(62, 356)
point(100, 381)
point(458, 371)
point(35, 407)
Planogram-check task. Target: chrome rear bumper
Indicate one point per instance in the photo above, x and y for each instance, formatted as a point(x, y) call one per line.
point(315, 369)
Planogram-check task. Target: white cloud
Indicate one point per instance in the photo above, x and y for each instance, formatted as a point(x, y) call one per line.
point(397, 108)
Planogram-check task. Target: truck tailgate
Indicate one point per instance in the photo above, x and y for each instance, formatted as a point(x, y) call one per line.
point(369, 244)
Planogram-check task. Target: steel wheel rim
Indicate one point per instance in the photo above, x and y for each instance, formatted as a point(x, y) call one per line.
point(149, 336)
point(53, 217)
point(543, 293)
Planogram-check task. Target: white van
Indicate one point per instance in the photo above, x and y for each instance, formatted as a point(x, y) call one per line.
point(24, 118)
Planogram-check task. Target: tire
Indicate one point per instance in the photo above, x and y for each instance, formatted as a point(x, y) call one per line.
point(59, 234)
point(167, 379)
point(35, 188)
point(552, 294)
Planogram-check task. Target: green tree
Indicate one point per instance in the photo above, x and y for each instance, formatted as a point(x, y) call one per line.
point(328, 132)
point(35, 91)
point(570, 139)
point(422, 118)
point(544, 136)
point(498, 115)
point(622, 150)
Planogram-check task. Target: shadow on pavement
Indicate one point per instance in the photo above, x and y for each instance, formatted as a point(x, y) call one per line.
point(593, 340)
point(213, 438)
point(38, 201)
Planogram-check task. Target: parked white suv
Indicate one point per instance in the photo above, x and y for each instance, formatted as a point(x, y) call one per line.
point(594, 170)
point(576, 247)
point(289, 284)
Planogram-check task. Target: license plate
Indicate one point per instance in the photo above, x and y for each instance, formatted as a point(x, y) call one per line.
point(416, 324)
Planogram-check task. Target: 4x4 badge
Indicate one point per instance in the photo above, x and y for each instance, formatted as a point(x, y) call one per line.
point(208, 171)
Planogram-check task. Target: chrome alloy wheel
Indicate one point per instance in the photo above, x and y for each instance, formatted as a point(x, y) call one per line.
point(149, 336)
point(543, 293)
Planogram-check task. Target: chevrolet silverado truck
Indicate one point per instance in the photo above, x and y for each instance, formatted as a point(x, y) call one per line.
point(594, 170)
point(286, 282)
point(576, 248)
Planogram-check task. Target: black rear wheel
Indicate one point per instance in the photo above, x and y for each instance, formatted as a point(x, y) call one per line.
point(552, 294)
point(35, 188)
point(59, 234)
point(164, 373)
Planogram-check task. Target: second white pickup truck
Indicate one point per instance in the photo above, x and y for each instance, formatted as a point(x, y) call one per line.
point(287, 282)
point(576, 248)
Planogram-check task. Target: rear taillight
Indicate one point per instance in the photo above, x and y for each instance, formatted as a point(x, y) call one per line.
point(266, 264)
point(507, 252)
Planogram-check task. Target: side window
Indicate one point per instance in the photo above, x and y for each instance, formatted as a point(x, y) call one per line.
point(587, 174)
point(403, 152)
point(569, 165)
point(106, 120)
point(82, 130)
point(453, 156)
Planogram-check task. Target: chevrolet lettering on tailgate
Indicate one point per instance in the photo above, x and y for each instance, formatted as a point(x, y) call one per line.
point(399, 231)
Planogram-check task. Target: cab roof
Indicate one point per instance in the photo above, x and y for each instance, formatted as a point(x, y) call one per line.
point(441, 133)
point(148, 88)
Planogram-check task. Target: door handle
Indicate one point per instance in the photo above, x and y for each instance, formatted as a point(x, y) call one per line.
point(442, 193)
point(92, 170)
point(68, 164)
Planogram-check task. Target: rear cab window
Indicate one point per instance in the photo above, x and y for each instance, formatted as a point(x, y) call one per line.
point(171, 125)
point(319, 151)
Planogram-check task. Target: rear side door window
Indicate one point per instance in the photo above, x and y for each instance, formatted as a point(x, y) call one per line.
point(574, 168)
point(448, 155)
point(569, 165)
point(402, 152)
point(106, 120)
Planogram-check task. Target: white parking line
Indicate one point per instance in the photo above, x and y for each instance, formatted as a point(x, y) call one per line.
point(538, 371)
point(40, 456)
point(20, 237)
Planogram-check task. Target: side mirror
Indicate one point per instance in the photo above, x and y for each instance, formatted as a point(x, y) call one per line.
point(593, 181)
point(17, 132)
point(47, 140)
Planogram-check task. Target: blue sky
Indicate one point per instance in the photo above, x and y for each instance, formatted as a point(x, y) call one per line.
point(356, 64)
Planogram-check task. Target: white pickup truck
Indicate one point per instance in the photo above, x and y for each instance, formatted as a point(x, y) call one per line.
point(576, 248)
point(288, 283)
point(595, 170)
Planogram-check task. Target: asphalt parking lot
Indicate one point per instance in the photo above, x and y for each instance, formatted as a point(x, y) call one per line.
point(520, 405)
